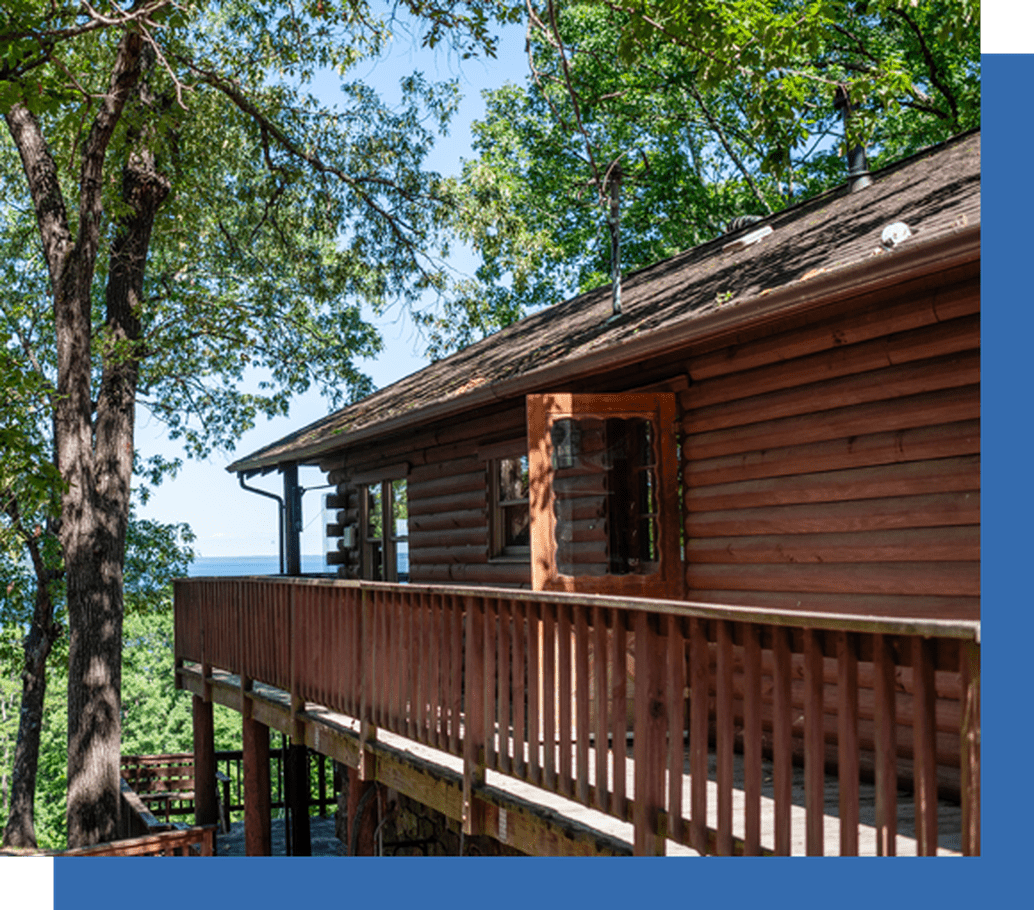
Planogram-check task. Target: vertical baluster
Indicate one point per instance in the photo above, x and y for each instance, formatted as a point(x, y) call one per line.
point(564, 693)
point(360, 656)
point(384, 659)
point(456, 665)
point(518, 669)
point(412, 664)
point(422, 643)
point(814, 745)
point(474, 710)
point(619, 711)
point(924, 745)
point(752, 739)
point(970, 747)
point(442, 713)
point(437, 668)
point(488, 646)
point(676, 684)
point(649, 740)
point(549, 693)
point(847, 740)
point(581, 687)
point(534, 644)
point(600, 658)
point(699, 668)
point(505, 764)
point(725, 719)
point(886, 747)
point(782, 770)
point(398, 676)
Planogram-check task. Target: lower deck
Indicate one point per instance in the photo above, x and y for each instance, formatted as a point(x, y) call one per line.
point(421, 771)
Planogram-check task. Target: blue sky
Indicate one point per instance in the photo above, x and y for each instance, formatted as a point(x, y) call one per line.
point(229, 521)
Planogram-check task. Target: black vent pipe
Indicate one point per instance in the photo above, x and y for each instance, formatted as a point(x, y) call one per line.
point(857, 164)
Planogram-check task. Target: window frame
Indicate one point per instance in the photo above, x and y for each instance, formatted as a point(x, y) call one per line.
point(493, 455)
point(388, 540)
point(660, 408)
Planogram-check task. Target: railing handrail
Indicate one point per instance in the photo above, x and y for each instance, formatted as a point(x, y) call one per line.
point(963, 629)
point(433, 663)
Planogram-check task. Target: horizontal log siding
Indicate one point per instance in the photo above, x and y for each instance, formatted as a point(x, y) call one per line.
point(836, 467)
point(447, 491)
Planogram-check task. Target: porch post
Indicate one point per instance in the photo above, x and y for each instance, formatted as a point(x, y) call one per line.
point(362, 812)
point(298, 799)
point(206, 804)
point(293, 520)
point(258, 839)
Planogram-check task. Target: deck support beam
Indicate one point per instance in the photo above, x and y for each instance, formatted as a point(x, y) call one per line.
point(258, 835)
point(362, 815)
point(297, 775)
point(206, 803)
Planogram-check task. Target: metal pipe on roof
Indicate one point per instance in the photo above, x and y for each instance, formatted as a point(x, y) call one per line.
point(614, 221)
point(937, 254)
point(858, 177)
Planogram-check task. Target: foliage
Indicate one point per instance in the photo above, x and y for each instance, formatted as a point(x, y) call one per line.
point(156, 718)
point(704, 110)
point(201, 221)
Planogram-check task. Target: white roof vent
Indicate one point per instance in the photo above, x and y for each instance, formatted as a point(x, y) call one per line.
point(747, 239)
point(894, 234)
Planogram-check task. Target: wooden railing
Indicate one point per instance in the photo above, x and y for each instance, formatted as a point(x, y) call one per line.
point(229, 764)
point(549, 688)
point(178, 842)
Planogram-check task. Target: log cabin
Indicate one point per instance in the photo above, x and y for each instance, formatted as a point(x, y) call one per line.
point(777, 426)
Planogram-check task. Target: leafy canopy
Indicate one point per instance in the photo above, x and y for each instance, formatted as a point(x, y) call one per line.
point(705, 111)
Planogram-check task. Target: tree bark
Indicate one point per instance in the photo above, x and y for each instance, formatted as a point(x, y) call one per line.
point(20, 830)
point(95, 460)
point(95, 653)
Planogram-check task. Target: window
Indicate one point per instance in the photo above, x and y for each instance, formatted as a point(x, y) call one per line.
point(384, 520)
point(509, 520)
point(603, 499)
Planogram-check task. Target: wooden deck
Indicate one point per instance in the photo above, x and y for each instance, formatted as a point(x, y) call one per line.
point(446, 695)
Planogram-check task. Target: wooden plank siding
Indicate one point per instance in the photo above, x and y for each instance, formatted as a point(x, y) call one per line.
point(837, 468)
point(447, 493)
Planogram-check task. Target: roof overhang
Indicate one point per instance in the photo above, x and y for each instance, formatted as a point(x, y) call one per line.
point(914, 259)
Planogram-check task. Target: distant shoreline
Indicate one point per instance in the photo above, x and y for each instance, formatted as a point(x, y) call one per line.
point(250, 565)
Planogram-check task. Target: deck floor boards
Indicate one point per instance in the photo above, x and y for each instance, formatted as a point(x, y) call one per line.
point(949, 814)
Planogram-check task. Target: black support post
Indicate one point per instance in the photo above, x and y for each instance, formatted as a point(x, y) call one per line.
point(293, 523)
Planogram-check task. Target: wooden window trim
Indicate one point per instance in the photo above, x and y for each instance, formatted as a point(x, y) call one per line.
point(497, 552)
point(661, 409)
point(388, 541)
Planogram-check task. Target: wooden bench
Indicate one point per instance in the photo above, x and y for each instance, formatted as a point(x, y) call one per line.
point(165, 784)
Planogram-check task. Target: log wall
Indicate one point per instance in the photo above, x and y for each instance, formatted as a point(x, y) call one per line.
point(837, 466)
point(447, 488)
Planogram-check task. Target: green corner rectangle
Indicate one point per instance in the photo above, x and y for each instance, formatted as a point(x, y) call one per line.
point(27, 882)
point(1007, 27)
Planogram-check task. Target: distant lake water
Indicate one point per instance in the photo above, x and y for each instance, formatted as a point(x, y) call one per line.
point(210, 566)
point(207, 566)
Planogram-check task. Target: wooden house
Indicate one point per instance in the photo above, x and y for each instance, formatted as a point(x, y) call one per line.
point(784, 420)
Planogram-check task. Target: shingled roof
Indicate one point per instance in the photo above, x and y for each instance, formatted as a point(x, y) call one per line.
point(816, 248)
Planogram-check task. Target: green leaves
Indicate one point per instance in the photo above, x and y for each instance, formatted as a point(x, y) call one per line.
point(712, 109)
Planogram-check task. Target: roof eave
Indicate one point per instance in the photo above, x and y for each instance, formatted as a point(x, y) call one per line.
point(865, 276)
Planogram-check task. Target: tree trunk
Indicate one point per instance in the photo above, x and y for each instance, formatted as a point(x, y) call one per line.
point(95, 460)
point(95, 653)
point(20, 830)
